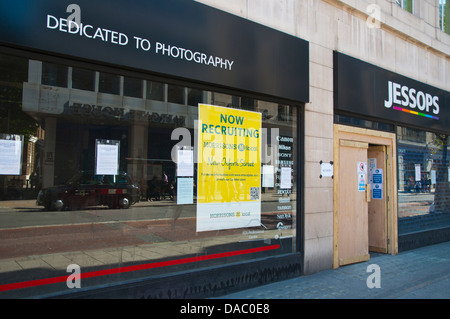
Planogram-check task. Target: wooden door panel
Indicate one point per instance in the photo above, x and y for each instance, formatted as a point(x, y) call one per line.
point(378, 207)
point(352, 208)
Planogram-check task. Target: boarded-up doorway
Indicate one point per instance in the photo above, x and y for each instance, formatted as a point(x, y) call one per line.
point(364, 194)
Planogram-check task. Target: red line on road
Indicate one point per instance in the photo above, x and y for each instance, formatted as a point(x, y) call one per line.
point(113, 271)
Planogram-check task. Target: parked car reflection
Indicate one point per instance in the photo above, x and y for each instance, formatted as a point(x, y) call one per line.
point(88, 189)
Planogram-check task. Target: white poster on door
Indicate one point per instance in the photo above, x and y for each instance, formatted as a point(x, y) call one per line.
point(361, 182)
point(362, 168)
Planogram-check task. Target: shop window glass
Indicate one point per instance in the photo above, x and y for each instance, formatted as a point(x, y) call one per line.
point(235, 102)
point(221, 99)
point(155, 91)
point(54, 74)
point(100, 181)
point(109, 83)
point(248, 104)
point(132, 87)
point(423, 180)
point(83, 79)
point(13, 70)
point(195, 97)
point(175, 94)
point(13, 73)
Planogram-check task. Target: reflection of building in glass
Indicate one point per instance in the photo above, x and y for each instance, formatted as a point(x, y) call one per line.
point(118, 108)
point(71, 110)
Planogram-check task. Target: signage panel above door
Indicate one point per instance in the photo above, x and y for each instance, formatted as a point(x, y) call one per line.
point(365, 89)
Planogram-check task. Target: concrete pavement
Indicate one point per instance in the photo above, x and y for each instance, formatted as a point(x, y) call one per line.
point(422, 273)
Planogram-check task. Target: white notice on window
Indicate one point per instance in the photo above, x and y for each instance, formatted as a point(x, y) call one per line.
point(418, 173)
point(268, 173)
point(10, 157)
point(107, 159)
point(285, 178)
point(185, 163)
point(185, 191)
point(433, 176)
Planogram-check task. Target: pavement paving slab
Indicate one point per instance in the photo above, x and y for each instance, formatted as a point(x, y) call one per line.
point(422, 273)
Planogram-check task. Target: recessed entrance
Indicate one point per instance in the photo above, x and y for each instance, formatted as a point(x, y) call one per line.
point(364, 194)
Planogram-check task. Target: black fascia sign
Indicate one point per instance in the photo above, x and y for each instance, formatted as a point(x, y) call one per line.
point(181, 38)
point(365, 89)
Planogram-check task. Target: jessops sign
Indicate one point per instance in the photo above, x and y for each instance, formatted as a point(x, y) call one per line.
point(409, 100)
point(365, 89)
point(182, 38)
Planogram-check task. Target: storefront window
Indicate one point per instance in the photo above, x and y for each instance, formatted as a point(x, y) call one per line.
point(175, 94)
point(88, 178)
point(83, 79)
point(109, 83)
point(424, 182)
point(155, 91)
point(132, 87)
point(195, 97)
point(54, 75)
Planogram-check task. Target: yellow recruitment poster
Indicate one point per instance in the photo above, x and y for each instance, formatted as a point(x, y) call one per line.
point(229, 168)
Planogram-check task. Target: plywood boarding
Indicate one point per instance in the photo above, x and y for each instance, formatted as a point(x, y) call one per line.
point(342, 132)
point(353, 240)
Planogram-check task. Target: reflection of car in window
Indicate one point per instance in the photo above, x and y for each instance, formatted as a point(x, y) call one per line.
point(88, 189)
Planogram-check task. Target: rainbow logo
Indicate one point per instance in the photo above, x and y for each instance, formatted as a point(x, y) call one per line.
point(415, 113)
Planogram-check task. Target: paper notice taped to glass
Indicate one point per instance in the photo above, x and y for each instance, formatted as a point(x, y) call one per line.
point(268, 176)
point(107, 161)
point(285, 178)
point(185, 164)
point(185, 191)
point(10, 157)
